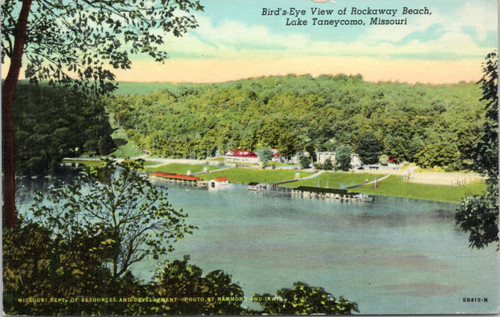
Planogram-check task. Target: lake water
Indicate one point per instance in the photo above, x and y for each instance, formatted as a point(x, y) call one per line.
point(390, 255)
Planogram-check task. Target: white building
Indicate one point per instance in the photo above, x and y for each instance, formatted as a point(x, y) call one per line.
point(218, 182)
point(237, 156)
point(355, 161)
point(321, 157)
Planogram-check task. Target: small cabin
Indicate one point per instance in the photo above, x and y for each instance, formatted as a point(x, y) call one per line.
point(218, 182)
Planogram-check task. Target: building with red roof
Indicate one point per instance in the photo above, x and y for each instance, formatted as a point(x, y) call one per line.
point(240, 156)
point(218, 182)
point(174, 176)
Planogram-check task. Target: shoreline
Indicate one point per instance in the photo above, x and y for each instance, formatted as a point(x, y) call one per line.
point(406, 183)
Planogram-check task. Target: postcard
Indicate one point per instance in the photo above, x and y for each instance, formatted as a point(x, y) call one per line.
point(231, 157)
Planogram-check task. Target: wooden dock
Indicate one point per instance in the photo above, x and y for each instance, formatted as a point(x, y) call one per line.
point(328, 193)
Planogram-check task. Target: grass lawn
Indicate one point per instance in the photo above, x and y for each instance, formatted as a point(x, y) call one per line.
point(243, 164)
point(217, 159)
point(182, 168)
point(394, 186)
point(281, 164)
point(334, 180)
point(94, 163)
point(147, 163)
point(250, 175)
point(127, 150)
point(89, 163)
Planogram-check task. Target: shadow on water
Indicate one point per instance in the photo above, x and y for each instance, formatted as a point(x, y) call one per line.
point(27, 185)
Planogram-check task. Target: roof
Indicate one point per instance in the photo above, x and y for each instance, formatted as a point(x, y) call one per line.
point(241, 153)
point(176, 176)
point(222, 179)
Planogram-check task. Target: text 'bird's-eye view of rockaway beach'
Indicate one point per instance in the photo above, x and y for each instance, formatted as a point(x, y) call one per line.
point(266, 157)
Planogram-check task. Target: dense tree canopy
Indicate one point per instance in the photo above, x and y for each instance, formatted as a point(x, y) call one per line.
point(303, 299)
point(180, 279)
point(265, 155)
point(369, 149)
point(304, 161)
point(478, 215)
point(431, 125)
point(35, 265)
point(81, 42)
point(78, 43)
point(53, 123)
point(343, 157)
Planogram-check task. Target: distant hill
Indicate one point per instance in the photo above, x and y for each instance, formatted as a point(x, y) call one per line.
point(136, 88)
point(432, 125)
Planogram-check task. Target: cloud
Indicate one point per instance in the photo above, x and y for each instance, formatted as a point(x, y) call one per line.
point(478, 16)
point(474, 15)
point(430, 48)
point(232, 39)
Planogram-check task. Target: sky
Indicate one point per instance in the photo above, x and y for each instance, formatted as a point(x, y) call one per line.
point(238, 39)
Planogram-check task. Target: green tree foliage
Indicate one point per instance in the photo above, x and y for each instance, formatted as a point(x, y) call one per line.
point(304, 161)
point(306, 114)
point(311, 151)
point(287, 144)
point(88, 39)
point(265, 155)
point(38, 265)
point(327, 165)
point(116, 201)
point(212, 294)
point(343, 157)
point(442, 153)
point(77, 43)
point(384, 159)
point(52, 123)
point(485, 151)
point(478, 215)
point(369, 149)
point(305, 300)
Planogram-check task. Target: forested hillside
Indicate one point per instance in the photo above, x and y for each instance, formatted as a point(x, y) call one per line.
point(52, 123)
point(426, 124)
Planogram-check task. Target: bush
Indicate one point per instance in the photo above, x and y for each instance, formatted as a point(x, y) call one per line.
point(212, 294)
point(305, 162)
point(37, 266)
point(304, 300)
